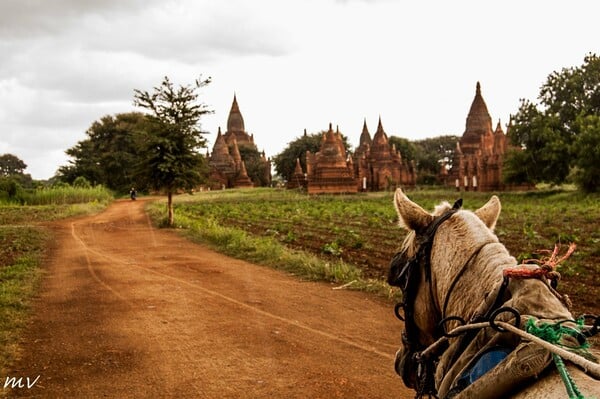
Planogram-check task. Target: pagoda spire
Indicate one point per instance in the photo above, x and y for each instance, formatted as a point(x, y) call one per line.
point(380, 137)
point(365, 137)
point(298, 168)
point(235, 121)
point(499, 127)
point(479, 123)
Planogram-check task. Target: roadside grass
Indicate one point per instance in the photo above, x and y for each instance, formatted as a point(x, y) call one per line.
point(24, 242)
point(21, 251)
point(268, 250)
point(66, 195)
point(361, 231)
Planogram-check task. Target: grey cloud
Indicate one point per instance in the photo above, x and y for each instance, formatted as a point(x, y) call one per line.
point(194, 35)
point(30, 18)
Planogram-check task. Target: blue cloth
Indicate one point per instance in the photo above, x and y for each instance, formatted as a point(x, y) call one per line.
point(487, 361)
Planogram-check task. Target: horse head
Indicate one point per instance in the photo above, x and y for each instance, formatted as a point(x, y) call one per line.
point(450, 267)
point(453, 243)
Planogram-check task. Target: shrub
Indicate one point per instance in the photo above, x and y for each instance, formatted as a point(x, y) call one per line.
point(81, 182)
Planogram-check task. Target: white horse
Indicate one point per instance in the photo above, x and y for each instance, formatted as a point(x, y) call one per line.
point(451, 269)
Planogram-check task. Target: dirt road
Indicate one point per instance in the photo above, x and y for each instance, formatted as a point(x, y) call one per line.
point(128, 311)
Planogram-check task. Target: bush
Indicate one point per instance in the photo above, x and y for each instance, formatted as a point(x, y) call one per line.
point(81, 182)
point(10, 190)
point(67, 195)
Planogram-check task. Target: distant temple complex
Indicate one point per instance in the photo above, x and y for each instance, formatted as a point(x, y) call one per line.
point(479, 155)
point(227, 168)
point(374, 166)
point(330, 171)
point(379, 166)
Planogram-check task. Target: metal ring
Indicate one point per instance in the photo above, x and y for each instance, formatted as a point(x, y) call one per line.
point(504, 309)
point(595, 326)
point(578, 335)
point(397, 311)
point(442, 325)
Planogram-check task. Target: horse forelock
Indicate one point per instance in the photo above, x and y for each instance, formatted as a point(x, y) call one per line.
point(441, 208)
point(409, 245)
point(467, 259)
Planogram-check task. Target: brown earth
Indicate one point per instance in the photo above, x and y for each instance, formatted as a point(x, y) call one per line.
point(128, 311)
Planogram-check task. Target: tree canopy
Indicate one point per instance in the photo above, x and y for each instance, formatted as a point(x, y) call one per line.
point(255, 167)
point(559, 136)
point(428, 155)
point(171, 158)
point(13, 168)
point(110, 153)
point(11, 165)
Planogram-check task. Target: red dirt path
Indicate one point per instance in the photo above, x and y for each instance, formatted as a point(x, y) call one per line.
point(128, 311)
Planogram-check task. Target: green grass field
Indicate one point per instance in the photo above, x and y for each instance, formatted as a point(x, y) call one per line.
point(24, 240)
point(360, 231)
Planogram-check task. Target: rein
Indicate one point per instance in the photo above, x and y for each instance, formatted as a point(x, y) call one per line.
point(417, 363)
point(405, 273)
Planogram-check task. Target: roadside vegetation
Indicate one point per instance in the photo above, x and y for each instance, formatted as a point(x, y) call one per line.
point(351, 239)
point(24, 241)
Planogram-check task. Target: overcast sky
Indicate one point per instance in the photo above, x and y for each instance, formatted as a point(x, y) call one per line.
point(294, 64)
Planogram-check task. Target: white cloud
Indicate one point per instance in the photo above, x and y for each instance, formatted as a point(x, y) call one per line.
point(294, 64)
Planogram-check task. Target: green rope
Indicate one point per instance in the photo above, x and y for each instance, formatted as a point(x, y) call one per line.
point(553, 333)
point(566, 378)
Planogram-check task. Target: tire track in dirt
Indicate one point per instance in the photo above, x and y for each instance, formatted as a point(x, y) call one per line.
point(295, 323)
point(127, 311)
point(95, 276)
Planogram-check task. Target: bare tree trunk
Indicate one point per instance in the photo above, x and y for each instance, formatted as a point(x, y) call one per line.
point(170, 207)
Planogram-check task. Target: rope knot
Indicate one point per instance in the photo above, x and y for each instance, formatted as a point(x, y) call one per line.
point(546, 266)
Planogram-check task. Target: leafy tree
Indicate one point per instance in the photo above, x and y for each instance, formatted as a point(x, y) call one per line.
point(587, 152)
point(428, 155)
point(110, 153)
point(172, 160)
point(406, 147)
point(10, 189)
point(285, 162)
point(554, 135)
point(255, 168)
point(11, 165)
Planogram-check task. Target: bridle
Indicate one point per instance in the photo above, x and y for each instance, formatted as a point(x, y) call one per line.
point(416, 363)
point(405, 273)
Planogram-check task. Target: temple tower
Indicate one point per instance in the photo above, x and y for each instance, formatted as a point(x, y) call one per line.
point(379, 165)
point(328, 171)
point(228, 167)
point(477, 164)
point(235, 126)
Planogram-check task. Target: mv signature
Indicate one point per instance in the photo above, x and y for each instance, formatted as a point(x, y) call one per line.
point(13, 382)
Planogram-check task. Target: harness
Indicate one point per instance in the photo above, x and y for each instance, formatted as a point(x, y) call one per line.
point(405, 273)
point(414, 362)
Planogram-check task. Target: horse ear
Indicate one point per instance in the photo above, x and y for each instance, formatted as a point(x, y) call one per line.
point(489, 212)
point(411, 215)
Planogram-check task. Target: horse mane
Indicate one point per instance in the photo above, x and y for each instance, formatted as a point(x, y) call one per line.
point(409, 245)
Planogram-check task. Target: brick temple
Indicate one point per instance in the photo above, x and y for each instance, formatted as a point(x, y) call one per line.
point(379, 166)
point(227, 168)
point(330, 170)
point(376, 165)
point(479, 155)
